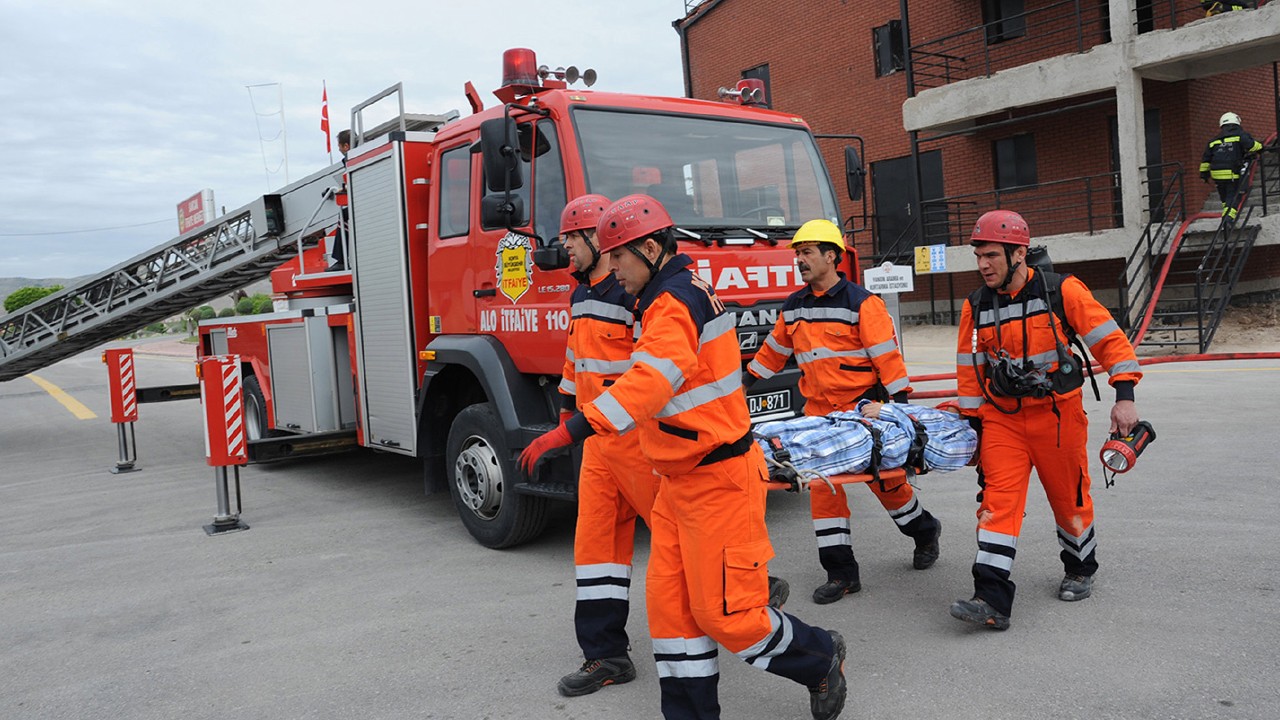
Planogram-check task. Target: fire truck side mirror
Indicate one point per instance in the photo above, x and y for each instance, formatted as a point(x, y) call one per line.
point(854, 173)
point(500, 148)
point(552, 256)
point(501, 211)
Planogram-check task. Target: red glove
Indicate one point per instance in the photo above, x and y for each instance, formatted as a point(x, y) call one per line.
point(546, 442)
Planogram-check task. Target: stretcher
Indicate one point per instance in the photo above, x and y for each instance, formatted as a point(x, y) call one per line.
point(815, 482)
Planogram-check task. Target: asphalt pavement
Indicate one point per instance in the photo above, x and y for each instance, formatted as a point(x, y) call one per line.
point(354, 595)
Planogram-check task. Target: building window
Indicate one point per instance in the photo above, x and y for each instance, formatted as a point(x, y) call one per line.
point(1015, 161)
point(761, 73)
point(887, 43)
point(1004, 20)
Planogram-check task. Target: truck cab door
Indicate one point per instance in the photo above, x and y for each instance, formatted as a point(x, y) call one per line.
point(524, 307)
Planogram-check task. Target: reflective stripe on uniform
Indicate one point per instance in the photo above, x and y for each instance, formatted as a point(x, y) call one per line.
point(603, 581)
point(613, 411)
point(819, 314)
point(777, 347)
point(716, 327)
point(1092, 337)
point(1079, 545)
point(603, 367)
point(703, 394)
point(601, 309)
point(832, 532)
point(1016, 310)
point(996, 549)
point(908, 512)
point(823, 353)
point(686, 657)
point(776, 642)
point(760, 370)
point(669, 370)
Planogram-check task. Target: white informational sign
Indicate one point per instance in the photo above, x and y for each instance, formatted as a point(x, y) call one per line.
point(889, 278)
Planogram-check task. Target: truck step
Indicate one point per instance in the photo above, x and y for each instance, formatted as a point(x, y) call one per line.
point(554, 490)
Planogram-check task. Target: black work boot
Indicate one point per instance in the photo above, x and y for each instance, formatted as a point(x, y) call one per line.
point(926, 553)
point(1075, 587)
point(595, 674)
point(779, 591)
point(979, 612)
point(833, 590)
point(826, 699)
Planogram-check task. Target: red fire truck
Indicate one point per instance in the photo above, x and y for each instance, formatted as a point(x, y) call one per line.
point(445, 338)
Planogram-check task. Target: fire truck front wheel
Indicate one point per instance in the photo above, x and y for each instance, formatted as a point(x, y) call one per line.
point(482, 478)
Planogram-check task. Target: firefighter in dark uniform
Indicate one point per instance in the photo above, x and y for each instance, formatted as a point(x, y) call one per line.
point(1223, 160)
point(707, 581)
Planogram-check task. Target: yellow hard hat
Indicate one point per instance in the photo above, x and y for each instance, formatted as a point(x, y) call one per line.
point(819, 231)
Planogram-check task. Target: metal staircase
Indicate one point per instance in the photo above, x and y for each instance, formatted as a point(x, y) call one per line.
point(1180, 277)
point(237, 249)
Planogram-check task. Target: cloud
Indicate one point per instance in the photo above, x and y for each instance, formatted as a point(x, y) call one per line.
point(116, 111)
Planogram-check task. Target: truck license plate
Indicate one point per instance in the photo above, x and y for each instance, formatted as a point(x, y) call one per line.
point(769, 403)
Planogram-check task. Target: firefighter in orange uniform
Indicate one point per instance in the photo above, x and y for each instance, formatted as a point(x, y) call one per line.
point(843, 341)
point(1020, 383)
point(707, 580)
point(610, 493)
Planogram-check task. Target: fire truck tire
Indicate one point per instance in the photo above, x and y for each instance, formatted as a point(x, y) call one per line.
point(482, 478)
point(255, 411)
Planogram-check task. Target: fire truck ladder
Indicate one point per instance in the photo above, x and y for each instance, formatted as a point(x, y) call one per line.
point(237, 249)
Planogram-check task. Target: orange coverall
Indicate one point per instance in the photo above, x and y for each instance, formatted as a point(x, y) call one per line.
point(844, 344)
point(610, 493)
point(1048, 434)
point(707, 580)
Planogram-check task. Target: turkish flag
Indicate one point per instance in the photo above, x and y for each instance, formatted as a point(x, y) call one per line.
point(324, 118)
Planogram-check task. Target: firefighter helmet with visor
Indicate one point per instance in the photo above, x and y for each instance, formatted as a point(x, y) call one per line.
point(1228, 118)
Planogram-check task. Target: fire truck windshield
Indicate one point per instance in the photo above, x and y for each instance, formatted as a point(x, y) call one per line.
point(708, 172)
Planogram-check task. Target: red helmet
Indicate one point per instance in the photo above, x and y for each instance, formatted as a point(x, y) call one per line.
point(1001, 226)
point(582, 213)
point(631, 218)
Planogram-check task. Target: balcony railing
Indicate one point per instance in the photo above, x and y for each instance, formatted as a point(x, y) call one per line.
point(1062, 27)
point(1075, 205)
point(1172, 14)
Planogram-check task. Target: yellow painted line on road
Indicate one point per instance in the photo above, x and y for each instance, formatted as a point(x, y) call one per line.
point(76, 407)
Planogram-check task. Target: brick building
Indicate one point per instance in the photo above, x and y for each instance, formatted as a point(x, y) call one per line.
point(1087, 117)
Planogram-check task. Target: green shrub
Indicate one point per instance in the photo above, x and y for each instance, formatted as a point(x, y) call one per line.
point(24, 296)
point(207, 313)
point(155, 327)
point(227, 312)
point(244, 306)
point(262, 304)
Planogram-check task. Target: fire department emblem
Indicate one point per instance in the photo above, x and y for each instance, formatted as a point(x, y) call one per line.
point(514, 268)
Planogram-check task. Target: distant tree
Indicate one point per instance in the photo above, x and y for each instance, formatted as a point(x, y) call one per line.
point(24, 296)
point(155, 327)
point(262, 303)
point(227, 312)
point(208, 313)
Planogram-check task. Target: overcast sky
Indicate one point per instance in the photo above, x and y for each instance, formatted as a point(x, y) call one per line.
point(112, 112)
